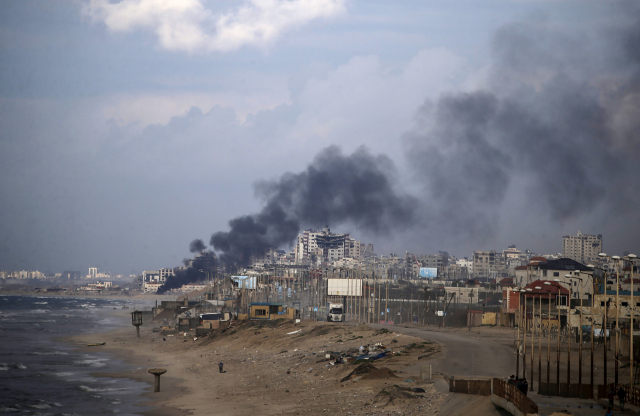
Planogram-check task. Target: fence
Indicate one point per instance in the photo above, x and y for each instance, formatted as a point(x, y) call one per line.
point(584, 391)
point(498, 387)
point(633, 397)
point(512, 394)
point(479, 387)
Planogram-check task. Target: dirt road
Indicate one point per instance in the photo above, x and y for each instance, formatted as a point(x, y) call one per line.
point(478, 353)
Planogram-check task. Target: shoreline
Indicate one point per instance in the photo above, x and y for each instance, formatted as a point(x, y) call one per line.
point(128, 356)
point(89, 295)
point(269, 367)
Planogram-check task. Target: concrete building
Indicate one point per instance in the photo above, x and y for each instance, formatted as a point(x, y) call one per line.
point(487, 265)
point(93, 273)
point(324, 246)
point(582, 248)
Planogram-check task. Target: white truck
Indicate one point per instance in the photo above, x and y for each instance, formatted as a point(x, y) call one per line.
point(336, 312)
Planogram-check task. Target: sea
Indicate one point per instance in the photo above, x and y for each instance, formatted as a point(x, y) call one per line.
point(41, 375)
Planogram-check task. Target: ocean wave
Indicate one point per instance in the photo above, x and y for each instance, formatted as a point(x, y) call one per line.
point(40, 406)
point(49, 353)
point(4, 367)
point(40, 303)
point(5, 409)
point(65, 374)
point(20, 366)
point(93, 363)
point(104, 390)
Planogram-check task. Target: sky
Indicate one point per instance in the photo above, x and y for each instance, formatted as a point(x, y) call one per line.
point(128, 129)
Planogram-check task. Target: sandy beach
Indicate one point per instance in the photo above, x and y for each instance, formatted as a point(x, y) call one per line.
point(274, 367)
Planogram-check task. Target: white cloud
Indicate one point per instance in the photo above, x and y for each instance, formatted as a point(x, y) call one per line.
point(188, 25)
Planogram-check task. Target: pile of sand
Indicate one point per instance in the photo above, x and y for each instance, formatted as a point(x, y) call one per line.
point(368, 371)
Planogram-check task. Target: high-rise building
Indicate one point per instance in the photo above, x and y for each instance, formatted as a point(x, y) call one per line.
point(326, 246)
point(93, 272)
point(583, 248)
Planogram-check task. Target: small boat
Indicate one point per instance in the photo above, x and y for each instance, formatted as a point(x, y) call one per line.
point(95, 345)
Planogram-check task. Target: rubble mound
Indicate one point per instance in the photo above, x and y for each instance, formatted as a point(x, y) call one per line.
point(379, 373)
point(369, 371)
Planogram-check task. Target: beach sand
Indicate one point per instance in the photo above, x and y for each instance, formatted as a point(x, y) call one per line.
point(270, 370)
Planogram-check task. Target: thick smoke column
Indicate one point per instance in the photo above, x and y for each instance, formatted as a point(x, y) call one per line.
point(556, 126)
point(358, 189)
point(204, 260)
point(197, 246)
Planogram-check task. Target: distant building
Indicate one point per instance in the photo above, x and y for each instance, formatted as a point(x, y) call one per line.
point(93, 273)
point(487, 265)
point(71, 275)
point(583, 248)
point(325, 246)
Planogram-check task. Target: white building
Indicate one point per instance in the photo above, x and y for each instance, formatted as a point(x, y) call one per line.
point(583, 248)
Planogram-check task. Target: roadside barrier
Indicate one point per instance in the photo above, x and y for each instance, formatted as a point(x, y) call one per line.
point(513, 397)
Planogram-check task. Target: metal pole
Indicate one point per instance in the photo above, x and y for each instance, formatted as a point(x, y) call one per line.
point(558, 349)
point(524, 340)
point(593, 293)
point(519, 326)
point(604, 327)
point(549, 341)
point(569, 339)
point(533, 333)
point(633, 312)
point(580, 349)
point(539, 345)
point(617, 316)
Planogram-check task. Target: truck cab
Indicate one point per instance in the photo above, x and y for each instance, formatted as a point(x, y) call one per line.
point(336, 313)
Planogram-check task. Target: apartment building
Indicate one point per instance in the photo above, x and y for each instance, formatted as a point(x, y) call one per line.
point(487, 265)
point(583, 248)
point(326, 246)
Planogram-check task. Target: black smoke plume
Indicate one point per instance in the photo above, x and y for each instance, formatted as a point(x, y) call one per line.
point(196, 270)
point(358, 189)
point(556, 128)
point(197, 246)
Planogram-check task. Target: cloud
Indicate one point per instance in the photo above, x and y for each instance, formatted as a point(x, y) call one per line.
point(188, 25)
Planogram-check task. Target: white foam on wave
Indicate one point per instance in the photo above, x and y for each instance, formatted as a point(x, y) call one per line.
point(103, 390)
point(50, 353)
point(98, 362)
point(4, 409)
point(20, 366)
point(40, 303)
point(4, 367)
point(65, 374)
point(40, 406)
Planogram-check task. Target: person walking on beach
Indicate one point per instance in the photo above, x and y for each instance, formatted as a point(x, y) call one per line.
point(622, 395)
point(220, 367)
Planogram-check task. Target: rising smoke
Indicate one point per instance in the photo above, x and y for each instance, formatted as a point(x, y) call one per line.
point(557, 123)
point(358, 189)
